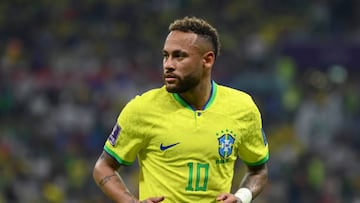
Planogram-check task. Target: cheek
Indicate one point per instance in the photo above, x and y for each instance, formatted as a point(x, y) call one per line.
point(191, 67)
point(188, 71)
point(196, 70)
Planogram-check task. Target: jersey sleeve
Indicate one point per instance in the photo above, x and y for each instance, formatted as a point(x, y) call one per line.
point(253, 149)
point(126, 138)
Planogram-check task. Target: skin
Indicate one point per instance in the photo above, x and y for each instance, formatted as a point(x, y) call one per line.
point(110, 182)
point(255, 180)
point(187, 64)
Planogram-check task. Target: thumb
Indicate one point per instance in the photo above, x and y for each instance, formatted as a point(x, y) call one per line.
point(221, 197)
point(156, 199)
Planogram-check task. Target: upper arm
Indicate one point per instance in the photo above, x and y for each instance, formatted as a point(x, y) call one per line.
point(105, 160)
point(128, 135)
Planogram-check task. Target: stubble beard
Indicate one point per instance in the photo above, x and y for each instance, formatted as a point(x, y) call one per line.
point(182, 85)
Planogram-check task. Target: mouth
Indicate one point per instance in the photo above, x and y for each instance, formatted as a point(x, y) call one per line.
point(170, 78)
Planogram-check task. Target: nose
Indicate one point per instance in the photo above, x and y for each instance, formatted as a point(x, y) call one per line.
point(168, 64)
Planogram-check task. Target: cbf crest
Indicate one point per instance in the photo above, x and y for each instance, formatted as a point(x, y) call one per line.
point(226, 141)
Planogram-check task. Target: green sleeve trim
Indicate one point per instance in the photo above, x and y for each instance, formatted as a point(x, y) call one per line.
point(262, 161)
point(115, 156)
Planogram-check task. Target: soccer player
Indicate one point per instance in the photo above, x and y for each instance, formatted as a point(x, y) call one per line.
point(187, 134)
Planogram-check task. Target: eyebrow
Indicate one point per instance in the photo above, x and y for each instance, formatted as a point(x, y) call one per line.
point(177, 52)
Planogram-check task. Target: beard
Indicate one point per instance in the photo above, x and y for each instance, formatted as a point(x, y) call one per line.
point(182, 84)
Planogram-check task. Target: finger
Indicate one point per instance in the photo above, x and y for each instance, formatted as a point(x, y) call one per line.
point(157, 199)
point(221, 197)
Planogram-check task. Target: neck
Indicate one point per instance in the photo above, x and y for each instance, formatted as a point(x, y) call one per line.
point(198, 96)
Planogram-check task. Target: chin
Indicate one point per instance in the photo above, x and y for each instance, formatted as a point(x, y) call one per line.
point(175, 89)
point(171, 89)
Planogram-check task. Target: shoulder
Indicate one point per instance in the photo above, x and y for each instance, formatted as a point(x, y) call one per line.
point(151, 96)
point(236, 103)
point(148, 99)
point(232, 95)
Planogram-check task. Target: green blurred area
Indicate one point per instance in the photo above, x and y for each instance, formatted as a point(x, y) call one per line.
point(68, 67)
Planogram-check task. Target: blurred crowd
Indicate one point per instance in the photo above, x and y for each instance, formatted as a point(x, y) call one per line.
point(68, 67)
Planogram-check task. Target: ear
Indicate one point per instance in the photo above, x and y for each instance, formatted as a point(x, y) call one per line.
point(209, 59)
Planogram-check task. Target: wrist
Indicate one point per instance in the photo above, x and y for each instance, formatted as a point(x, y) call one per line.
point(244, 195)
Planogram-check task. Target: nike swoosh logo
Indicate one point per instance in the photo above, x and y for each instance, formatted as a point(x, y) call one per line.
point(165, 147)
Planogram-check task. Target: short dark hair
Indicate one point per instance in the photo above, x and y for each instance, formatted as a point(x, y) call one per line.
point(199, 27)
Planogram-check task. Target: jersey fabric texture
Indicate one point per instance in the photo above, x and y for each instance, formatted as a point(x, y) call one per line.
point(184, 154)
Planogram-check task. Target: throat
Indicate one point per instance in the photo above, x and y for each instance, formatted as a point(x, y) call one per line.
point(198, 100)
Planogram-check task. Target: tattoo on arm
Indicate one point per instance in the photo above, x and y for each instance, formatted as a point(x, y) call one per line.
point(106, 179)
point(133, 200)
point(102, 156)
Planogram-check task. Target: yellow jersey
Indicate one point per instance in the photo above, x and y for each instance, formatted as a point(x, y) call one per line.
point(184, 154)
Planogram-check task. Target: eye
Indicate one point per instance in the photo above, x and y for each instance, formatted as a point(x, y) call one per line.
point(165, 55)
point(179, 54)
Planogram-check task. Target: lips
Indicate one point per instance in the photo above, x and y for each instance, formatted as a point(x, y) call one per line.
point(169, 77)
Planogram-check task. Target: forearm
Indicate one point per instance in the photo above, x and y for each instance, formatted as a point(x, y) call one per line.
point(251, 185)
point(112, 184)
point(255, 180)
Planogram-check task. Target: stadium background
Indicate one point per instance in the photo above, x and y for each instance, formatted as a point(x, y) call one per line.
point(68, 67)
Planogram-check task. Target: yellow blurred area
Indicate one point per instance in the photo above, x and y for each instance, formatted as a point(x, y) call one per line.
point(67, 68)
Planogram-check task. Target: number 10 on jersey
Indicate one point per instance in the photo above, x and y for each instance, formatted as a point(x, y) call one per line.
point(201, 177)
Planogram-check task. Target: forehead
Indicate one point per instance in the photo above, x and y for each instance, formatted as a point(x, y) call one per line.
point(177, 40)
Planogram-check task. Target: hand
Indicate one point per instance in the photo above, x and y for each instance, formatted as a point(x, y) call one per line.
point(228, 198)
point(153, 200)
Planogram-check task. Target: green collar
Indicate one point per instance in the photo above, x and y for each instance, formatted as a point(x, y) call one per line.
point(207, 104)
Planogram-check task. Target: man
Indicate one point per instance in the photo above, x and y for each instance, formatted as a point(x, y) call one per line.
point(188, 133)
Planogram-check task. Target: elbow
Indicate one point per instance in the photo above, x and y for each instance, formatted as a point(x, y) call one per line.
point(105, 165)
point(264, 173)
point(96, 172)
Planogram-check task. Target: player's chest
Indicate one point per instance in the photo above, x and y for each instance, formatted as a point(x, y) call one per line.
point(195, 134)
